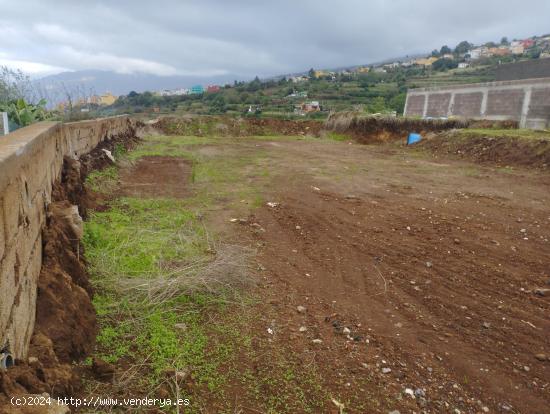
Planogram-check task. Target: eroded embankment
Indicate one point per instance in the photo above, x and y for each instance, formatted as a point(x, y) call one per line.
point(66, 325)
point(493, 142)
point(236, 127)
point(375, 129)
point(504, 148)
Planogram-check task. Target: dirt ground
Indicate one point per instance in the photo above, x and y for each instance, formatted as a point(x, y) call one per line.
point(492, 148)
point(412, 283)
point(156, 177)
point(417, 274)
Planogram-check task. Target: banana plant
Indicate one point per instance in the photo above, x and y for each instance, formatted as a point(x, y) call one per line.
point(23, 113)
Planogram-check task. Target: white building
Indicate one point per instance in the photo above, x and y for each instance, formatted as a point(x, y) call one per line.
point(480, 52)
point(297, 79)
point(517, 48)
point(392, 65)
point(174, 92)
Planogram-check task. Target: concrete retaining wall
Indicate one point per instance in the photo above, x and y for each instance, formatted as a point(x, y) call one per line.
point(529, 69)
point(525, 101)
point(31, 159)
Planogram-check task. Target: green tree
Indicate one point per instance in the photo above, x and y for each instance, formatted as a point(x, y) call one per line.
point(311, 73)
point(444, 64)
point(255, 85)
point(533, 52)
point(377, 105)
point(504, 41)
point(445, 50)
point(282, 81)
point(218, 105)
point(463, 47)
point(14, 85)
point(397, 103)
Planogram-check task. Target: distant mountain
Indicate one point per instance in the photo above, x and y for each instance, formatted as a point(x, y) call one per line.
point(89, 82)
point(84, 83)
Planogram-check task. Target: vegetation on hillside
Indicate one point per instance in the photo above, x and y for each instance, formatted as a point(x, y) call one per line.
point(16, 99)
point(374, 89)
point(373, 92)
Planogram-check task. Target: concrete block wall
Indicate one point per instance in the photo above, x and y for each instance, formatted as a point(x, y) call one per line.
point(526, 101)
point(31, 159)
point(529, 69)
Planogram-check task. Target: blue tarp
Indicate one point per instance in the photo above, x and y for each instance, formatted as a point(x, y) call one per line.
point(413, 138)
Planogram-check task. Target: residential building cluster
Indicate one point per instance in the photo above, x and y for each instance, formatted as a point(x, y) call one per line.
point(307, 107)
point(194, 90)
point(514, 48)
point(517, 47)
point(105, 99)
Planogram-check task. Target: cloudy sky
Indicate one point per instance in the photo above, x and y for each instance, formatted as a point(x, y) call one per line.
point(246, 37)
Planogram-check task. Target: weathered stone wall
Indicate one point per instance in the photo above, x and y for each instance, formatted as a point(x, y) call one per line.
point(525, 101)
point(31, 159)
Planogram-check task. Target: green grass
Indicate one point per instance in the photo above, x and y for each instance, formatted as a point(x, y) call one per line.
point(474, 172)
point(140, 239)
point(335, 136)
point(175, 146)
point(103, 181)
point(280, 386)
point(144, 238)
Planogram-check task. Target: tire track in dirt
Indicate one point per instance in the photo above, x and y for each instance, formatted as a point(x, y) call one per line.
point(463, 313)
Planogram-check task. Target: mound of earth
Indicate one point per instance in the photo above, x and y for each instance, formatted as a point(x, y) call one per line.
point(506, 150)
point(236, 127)
point(369, 129)
point(65, 327)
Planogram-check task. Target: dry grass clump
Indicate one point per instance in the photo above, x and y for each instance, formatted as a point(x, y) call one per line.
point(226, 270)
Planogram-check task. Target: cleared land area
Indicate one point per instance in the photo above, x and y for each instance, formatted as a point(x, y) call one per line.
point(295, 274)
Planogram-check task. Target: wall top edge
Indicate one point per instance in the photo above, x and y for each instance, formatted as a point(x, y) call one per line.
point(522, 82)
point(15, 142)
point(95, 120)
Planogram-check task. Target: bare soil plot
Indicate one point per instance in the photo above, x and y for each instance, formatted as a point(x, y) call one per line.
point(157, 177)
point(426, 275)
point(382, 272)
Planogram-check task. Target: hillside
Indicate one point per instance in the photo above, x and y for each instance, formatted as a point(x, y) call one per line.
point(85, 82)
point(373, 92)
point(377, 88)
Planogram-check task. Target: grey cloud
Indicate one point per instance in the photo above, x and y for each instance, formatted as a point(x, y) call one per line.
point(248, 37)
